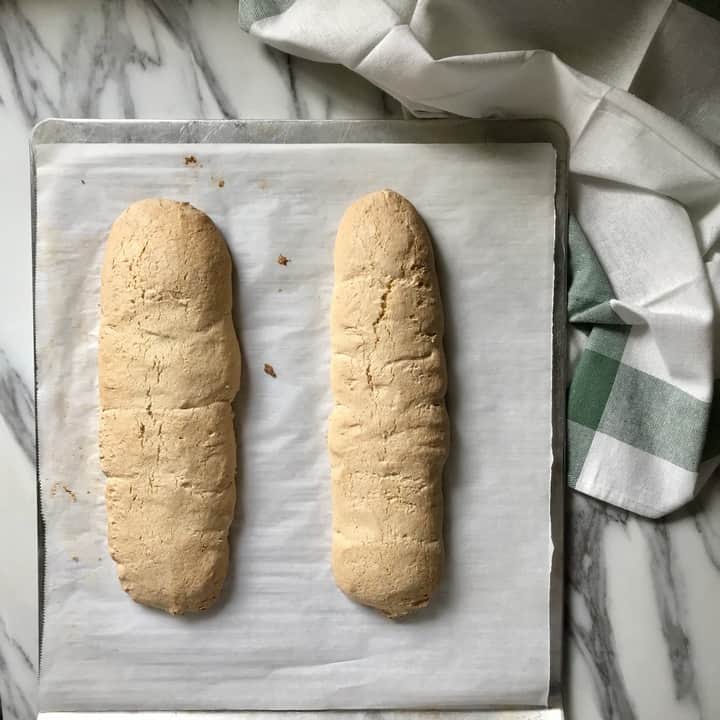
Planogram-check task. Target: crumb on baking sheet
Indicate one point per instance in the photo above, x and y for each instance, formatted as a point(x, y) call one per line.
point(221, 183)
point(190, 160)
point(270, 370)
point(282, 260)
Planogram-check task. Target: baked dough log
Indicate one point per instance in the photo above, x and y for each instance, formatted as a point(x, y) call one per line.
point(169, 366)
point(388, 431)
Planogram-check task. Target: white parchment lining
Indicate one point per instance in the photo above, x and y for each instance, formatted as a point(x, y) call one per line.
point(282, 636)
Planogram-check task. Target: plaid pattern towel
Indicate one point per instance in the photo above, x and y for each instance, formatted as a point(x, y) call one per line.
point(645, 193)
point(621, 416)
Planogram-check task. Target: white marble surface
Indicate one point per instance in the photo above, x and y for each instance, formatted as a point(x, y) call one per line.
point(643, 639)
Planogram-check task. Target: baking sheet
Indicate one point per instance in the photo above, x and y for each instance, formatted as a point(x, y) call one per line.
point(283, 637)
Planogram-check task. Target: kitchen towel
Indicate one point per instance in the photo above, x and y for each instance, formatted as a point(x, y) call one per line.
point(644, 191)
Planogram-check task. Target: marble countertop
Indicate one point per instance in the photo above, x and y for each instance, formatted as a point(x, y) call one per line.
point(642, 636)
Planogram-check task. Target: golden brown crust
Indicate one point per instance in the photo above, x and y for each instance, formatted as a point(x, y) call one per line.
point(388, 432)
point(168, 366)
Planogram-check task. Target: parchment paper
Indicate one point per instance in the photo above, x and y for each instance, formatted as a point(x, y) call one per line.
point(283, 636)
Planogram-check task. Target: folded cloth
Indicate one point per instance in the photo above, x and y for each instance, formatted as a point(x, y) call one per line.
point(645, 193)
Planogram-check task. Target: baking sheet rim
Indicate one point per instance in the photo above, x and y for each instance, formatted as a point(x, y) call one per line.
point(83, 131)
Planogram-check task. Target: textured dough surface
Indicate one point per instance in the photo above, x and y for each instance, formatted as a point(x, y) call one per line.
point(388, 432)
point(168, 366)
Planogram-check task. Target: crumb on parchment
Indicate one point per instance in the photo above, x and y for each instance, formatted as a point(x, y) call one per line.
point(190, 160)
point(56, 486)
point(221, 183)
point(270, 370)
point(76, 558)
point(72, 495)
point(282, 260)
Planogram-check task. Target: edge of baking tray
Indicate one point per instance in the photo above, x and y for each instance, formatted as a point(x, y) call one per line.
point(545, 714)
point(54, 131)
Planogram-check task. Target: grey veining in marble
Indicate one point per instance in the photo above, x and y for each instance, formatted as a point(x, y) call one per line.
point(704, 513)
point(15, 667)
point(16, 407)
point(678, 675)
point(671, 608)
point(642, 598)
point(284, 63)
point(588, 622)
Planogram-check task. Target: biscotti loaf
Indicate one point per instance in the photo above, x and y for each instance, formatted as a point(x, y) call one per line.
point(169, 367)
point(388, 432)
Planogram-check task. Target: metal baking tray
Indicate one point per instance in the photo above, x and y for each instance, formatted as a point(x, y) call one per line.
point(366, 131)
